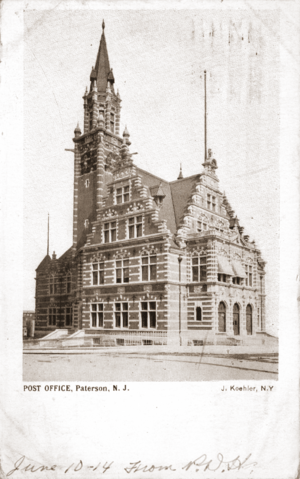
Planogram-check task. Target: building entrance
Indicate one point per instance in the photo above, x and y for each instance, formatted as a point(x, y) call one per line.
point(236, 320)
point(249, 319)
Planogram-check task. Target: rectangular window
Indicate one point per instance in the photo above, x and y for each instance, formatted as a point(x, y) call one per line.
point(53, 285)
point(121, 315)
point(110, 232)
point(209, 202)
point(248, 270)
point(250, 275)
point(199, 268)
point(68, 316)
point(236, 280)
point(148, 314)
point(97, 320)
point(98, 273)
point(214, 203)
point(149, 268)
point(122, 271)
point(135, 227)
point(222, 277)
point(199, 226)
point(52, 316)
point(122, 194)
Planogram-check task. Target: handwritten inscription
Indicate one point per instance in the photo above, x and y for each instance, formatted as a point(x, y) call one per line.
point(202, 463)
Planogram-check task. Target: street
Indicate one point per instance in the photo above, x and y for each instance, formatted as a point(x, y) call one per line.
point(119, 365)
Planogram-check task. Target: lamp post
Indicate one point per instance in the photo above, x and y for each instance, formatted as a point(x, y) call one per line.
point(179, 267)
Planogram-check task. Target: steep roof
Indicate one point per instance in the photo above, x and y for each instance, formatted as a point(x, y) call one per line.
point(102, 67)
point(44, 262)
point(181, 191)
point(166, 211)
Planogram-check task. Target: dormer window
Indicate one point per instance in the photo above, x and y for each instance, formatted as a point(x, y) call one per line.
point(122, 194)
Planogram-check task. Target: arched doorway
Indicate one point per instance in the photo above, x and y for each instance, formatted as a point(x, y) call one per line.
point(222, 318)
point(236, 319)
point(249, 319)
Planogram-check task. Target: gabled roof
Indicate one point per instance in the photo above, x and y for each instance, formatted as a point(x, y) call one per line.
point(44, 263)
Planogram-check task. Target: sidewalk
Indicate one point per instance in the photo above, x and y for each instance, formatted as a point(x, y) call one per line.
point(192, 350)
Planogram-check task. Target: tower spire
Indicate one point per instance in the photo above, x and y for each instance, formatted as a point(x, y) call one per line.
point(48, 237)
point(102, 67)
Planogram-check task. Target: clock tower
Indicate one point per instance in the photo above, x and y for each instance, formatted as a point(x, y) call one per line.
point(97, 147)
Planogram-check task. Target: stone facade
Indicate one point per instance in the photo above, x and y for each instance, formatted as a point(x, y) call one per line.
point(151, 262)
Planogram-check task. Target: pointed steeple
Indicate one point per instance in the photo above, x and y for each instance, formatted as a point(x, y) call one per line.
point(180, 176)
point(102, 67)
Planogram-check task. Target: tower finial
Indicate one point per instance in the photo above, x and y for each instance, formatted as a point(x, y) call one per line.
point(48, 237)
point(103, 25)
point(180, 176)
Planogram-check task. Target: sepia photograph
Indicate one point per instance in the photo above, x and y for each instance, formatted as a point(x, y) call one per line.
point(152, 233)
point(149, 206)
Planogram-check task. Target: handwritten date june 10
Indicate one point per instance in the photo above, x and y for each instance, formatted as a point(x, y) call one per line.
point(201, 464)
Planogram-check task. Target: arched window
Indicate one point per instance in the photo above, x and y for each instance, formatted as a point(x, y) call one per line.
point(51, 285)
point(222, 317)
point(249, 319)
point(198, 313)
point(236, 319)
point(69, 283)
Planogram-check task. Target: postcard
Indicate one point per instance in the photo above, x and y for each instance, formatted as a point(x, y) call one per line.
point(150, 236)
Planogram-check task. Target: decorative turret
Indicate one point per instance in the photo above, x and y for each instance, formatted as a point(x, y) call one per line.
point(126, 136)
point(158, 194)
point(77, 131)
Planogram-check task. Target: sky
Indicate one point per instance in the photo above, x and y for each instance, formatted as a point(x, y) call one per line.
point(158, 59)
